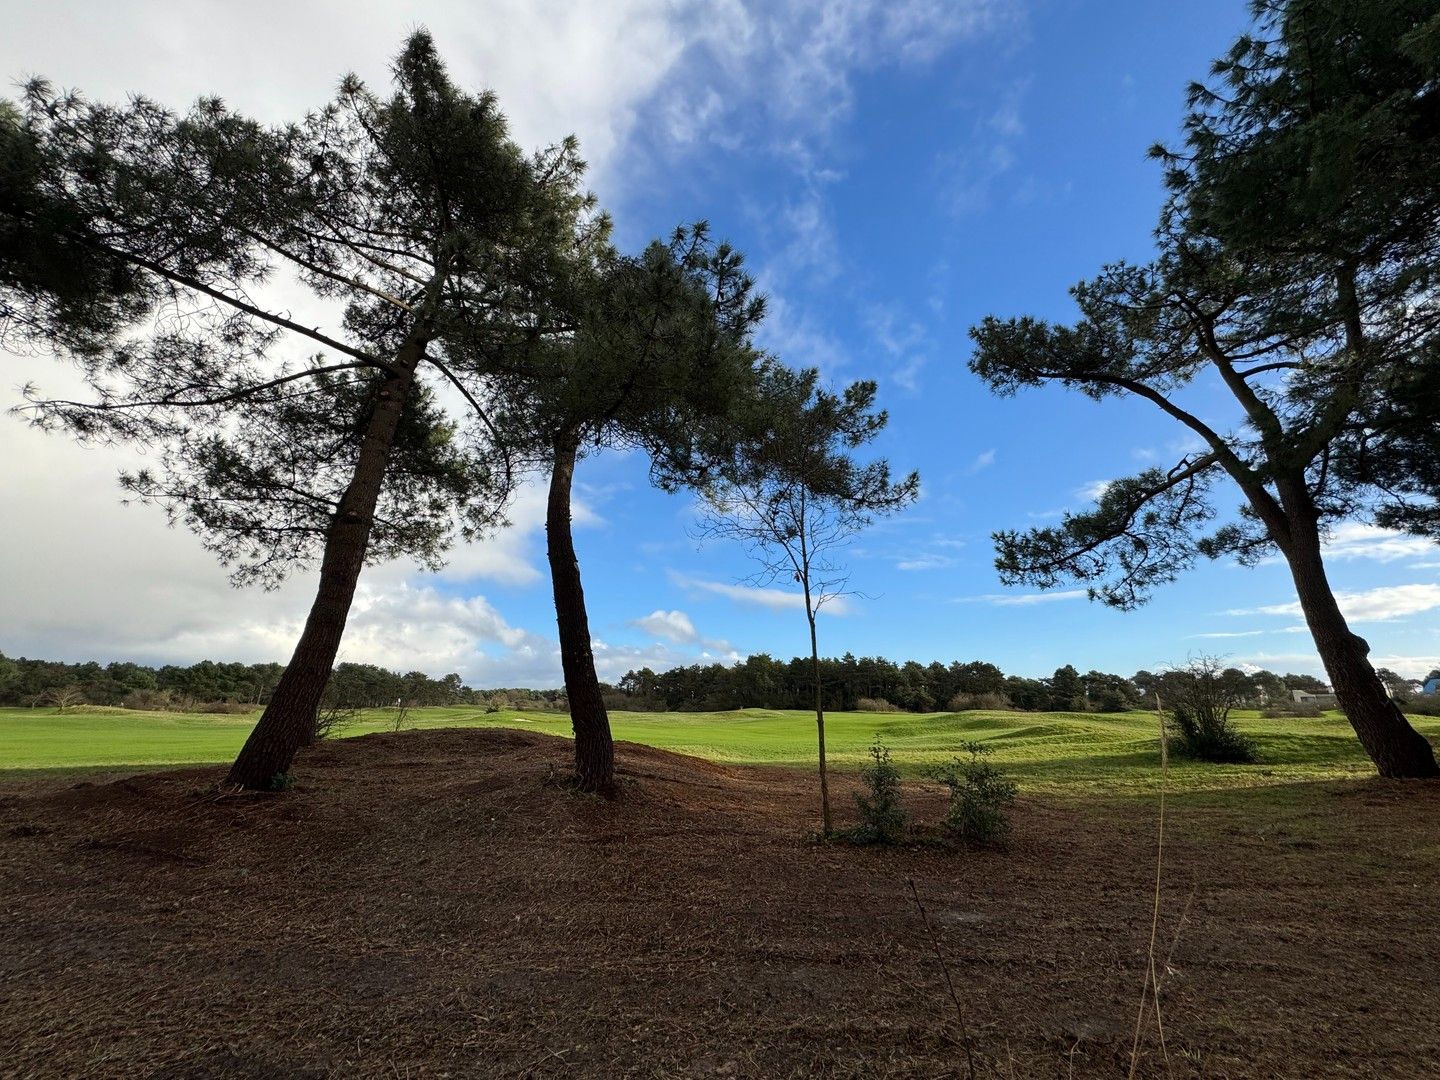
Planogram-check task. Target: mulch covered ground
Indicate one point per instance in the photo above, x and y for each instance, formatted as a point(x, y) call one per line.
point(434, 903)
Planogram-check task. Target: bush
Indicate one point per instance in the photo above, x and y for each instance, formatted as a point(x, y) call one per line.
point(882, 818)
point(1206, 739)
point(1200, 697)
point(227, 708)
point(1293, 708)
point(980, 796)
point(333, 718)
point(874, 704)
point(989, 702)
point(147, 700)
point(1429, 705)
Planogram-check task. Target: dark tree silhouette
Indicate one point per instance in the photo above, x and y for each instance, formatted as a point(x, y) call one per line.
point(653, 353)
point(1304, 285)
point(413, 221)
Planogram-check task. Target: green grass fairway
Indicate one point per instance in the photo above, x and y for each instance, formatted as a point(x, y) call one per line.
point(1072, 753)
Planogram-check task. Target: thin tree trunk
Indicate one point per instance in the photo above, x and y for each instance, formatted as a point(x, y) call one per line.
point(288, 722)
point(594, 747)
point(1397, 749)
point(825, 823)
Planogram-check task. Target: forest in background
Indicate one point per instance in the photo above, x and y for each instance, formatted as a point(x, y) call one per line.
point(850, 683)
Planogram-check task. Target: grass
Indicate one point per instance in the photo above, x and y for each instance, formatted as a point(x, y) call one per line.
point(1057, 753)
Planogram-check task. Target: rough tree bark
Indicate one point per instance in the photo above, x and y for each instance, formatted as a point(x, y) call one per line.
point(288, 722)
point(1398, 750)
point(594, 747)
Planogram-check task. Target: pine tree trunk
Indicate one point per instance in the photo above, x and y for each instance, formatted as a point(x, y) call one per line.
point(594, 747)
point(825, 823)
point(288, 722)
point(1397, 749)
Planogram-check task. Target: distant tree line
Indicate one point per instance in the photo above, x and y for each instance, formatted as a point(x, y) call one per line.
point(761, 681)
point(209, 684)
point(875, 683)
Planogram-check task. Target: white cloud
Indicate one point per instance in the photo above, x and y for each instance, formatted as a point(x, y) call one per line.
point(671, 625)
point(930, 561)
point(1232, 634)
point(759, 596)
point(1298, 663)
point(972, 173)
point(408, 626)
point(811, 247)
point(1382, 604)
point(508, 556)
point(80, 576)
point(1093, 491)
point(1354, 540)
point(597, 64)
point(902, 340)
point(981, 462)
point(798, 61)
point(788, 332)
point(1411, 667)
point(1023, 599)
point(1006, 120)
point(613, 661)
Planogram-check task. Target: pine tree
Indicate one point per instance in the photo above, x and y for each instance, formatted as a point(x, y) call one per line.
point(650, 353)
point(414, 220)
point(1304, 282)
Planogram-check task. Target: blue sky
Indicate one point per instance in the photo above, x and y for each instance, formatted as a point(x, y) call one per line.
point(894, 173)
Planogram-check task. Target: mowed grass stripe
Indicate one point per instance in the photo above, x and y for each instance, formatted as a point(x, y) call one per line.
point(1074, 753)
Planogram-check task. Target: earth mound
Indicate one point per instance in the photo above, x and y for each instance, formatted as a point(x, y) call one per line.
point(432, 903)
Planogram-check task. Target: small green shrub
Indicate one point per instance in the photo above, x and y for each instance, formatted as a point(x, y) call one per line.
point(980, 796)
point(882, 818)
point(282, 781)
point(1215, 741)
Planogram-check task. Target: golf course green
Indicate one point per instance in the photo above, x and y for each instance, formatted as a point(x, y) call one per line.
point(1074, 753)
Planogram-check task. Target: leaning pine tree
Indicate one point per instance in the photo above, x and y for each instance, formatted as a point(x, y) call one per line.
point(650, 353)
point(415, 216)
point(1305, 285)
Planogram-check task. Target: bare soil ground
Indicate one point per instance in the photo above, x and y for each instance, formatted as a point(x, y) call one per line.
point(433, 903)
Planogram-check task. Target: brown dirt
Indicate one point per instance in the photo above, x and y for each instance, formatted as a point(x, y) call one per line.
point(431, 903)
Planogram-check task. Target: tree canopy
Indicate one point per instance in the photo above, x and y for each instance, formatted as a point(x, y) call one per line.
point(1281, 272)
point(411, 223)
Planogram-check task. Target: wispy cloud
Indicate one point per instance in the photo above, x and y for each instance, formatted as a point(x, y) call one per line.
point(972, 173)
point(1354, 540)
point(929, 561)
point(800, 339)
point(758, 596)
point(1093, 490)
point(1023, 599)
point(981, 462)
point(902, 340)
point(798, 62)
point(1383, 604)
